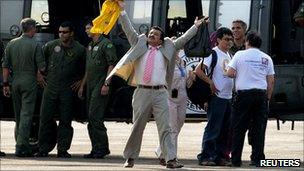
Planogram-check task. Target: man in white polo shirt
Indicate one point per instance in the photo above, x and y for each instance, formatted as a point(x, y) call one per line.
point(254, 79)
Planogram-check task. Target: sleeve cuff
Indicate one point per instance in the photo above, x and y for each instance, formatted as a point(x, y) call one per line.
point(41, 66)
point(123, 12)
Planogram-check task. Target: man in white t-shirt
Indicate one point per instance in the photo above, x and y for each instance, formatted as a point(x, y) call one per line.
point(219, 107)
point(254, 79)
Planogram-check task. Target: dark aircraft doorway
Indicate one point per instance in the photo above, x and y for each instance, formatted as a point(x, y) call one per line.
point(180, 15)
point(287, 37)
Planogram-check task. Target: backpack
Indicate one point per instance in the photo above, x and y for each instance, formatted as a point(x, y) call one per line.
point(200, 91)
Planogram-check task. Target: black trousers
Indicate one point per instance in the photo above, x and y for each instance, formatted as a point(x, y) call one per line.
point(249, 111)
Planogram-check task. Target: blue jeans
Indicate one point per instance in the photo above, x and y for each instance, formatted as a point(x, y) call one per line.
point(216, 131)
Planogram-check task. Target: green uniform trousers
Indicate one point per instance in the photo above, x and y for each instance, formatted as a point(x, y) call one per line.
point(97, 131)
point(50, 101)
point(24, 92)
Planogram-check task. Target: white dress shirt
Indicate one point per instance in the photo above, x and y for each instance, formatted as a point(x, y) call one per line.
point(158, 71)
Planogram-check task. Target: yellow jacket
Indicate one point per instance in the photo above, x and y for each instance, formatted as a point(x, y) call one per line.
point(109, 14)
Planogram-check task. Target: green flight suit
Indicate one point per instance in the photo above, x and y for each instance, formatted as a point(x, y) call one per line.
point(100, 56)
point(1, 54)
point(23, 56)
point(65, 66)
point(234, 48)
point(1, 49)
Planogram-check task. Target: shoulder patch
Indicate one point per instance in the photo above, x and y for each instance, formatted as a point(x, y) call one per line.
point(57, 48)
point(110, 45)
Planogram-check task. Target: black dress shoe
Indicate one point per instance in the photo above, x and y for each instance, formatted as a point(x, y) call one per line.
point(41, 154)
point(63, 154)
point(254, 163)
point(223, 162)
point(236, 164)
point(24, 154)
point(129, 163)
point(97, 154)
point(207, 162)
point(162, 161)
point(2, 153)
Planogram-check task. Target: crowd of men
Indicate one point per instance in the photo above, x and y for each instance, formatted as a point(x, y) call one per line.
point(63, 67)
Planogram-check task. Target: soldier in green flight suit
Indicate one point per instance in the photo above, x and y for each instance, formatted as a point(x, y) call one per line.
point(101, 58)
point(65, 67)
point(23, 56)
point(239, 28)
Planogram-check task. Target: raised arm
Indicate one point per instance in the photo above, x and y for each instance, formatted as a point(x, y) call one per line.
point(181, 41)
point(126, 24)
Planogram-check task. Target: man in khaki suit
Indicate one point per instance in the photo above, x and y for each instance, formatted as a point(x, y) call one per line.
point(151, 96)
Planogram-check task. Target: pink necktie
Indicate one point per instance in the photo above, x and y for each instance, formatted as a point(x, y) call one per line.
point(149, 65)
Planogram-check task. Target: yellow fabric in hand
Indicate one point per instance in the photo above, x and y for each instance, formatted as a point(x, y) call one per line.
point(109, 14)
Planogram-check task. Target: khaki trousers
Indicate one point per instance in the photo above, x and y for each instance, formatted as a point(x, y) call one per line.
point(177, 116)
point(146, 102)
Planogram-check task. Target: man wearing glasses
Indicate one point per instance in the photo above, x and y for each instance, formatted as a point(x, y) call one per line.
point(65, 68)
point(219, 106)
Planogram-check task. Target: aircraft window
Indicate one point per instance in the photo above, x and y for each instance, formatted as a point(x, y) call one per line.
point(227, 12)
point(177, 8)
point(10, 16)
point(39, 12)
point(176, 22)
point(181, 13)
point(142, 11)
point(205, 7)
point(287, 41)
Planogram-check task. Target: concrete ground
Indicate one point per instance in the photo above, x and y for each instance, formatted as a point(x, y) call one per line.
point(280, 144)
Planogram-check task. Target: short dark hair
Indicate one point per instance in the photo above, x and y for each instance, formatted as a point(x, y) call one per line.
point(244, 25)
point(254, 39)
point(27, 24)
point(88, 22)
point(223, 31)
point(68, 24)
point(162, 33)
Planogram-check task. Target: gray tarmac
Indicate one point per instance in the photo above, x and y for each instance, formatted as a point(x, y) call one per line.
point(280, 144)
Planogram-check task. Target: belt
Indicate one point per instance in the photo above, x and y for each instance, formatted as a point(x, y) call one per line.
point(157, 87)
point(254, 90)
